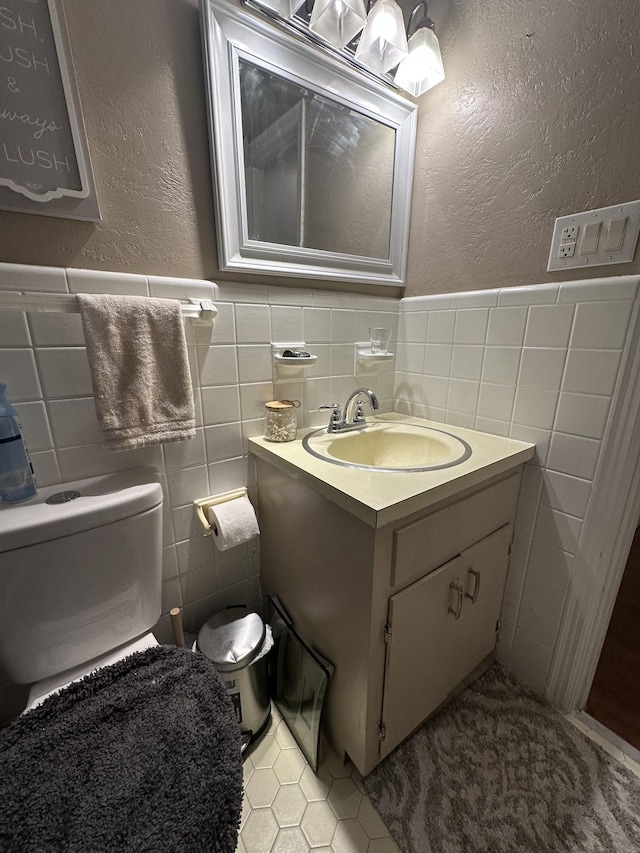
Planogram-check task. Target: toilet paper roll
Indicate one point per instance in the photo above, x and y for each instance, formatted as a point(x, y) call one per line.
point(232, 523)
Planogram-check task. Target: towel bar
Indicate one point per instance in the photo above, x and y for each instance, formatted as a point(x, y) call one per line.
point(201, 311)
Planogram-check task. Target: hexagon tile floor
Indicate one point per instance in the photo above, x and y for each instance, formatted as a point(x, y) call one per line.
point(289, 809)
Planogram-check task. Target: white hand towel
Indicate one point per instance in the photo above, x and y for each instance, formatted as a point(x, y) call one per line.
point(139, 369)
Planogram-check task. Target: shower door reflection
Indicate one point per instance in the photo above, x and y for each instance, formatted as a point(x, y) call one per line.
point(318, 174)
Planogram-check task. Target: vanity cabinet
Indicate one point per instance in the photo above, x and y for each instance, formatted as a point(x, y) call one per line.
point(405, 611)
point(438, 630)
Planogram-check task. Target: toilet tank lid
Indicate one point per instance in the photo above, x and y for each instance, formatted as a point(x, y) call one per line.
point(102, 500)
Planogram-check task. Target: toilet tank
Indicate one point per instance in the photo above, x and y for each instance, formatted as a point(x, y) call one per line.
point(81, 577)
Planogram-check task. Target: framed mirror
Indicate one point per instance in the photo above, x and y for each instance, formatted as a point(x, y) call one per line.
point(312, 160)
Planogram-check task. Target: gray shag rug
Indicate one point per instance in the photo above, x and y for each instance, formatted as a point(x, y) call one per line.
point(143, 755)
point(500, 771)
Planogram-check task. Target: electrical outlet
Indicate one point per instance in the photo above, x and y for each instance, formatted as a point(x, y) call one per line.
point(567, 250)
point(570, 233)
point(592, 238)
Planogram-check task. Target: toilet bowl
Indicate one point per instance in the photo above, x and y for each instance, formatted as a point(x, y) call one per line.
point(41, 690)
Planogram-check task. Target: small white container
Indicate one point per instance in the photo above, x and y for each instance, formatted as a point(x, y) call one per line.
point(280, 420)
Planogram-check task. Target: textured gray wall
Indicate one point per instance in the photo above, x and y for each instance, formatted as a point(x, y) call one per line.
point(141, 83)
point(539, 116)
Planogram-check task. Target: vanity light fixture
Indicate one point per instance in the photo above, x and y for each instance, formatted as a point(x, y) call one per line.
point(383, 43)
point(284, 8)
point(422, 68)
point(369, 35)
point(338, 21)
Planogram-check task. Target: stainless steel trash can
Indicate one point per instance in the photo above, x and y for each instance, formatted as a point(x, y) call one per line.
point(236, 641)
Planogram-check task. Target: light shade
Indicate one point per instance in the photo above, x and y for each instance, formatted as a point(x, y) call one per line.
point(383, 43)
point(285, 8)
point(338, 21)
point(422, 68)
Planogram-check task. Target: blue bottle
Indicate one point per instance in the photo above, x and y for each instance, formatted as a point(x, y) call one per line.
point(17, 482)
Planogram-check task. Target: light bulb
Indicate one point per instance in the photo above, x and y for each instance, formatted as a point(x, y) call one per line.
point(285, 8)
point(422, 69)
point(383, 43)
point(338, 21)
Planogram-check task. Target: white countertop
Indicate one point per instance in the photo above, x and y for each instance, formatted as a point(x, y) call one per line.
point(379, 498)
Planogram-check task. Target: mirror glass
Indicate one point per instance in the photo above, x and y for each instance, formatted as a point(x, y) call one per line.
point(317, 173)
point(313, 160)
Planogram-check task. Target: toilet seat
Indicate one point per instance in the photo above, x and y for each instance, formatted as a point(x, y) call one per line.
point(140, 755)
point(48, 686)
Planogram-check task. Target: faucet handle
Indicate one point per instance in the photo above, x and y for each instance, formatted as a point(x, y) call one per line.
point(359, 417)
point(336, 415)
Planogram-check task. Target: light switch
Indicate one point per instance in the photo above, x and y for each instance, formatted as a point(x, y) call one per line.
point(590, 237)
point(615, 234)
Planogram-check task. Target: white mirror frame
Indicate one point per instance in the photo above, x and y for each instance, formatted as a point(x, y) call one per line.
point(231, 32)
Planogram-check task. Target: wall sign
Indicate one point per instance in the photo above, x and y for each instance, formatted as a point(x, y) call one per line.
point(44, 156)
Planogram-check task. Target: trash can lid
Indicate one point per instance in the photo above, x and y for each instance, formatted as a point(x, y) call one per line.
point(232, 638)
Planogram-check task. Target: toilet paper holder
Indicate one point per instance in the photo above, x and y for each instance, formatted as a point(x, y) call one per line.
point(203, 504)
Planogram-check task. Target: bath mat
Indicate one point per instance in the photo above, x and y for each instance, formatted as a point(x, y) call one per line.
point(500, 771)
point(143, 755)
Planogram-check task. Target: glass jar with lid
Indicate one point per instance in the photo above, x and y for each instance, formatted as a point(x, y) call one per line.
point(280, 420)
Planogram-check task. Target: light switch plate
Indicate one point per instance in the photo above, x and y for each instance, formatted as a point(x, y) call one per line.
point(561, 258)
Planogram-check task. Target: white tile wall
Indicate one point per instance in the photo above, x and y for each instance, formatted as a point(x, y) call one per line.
point(43, 360)
point(506, 326)
point(538, 364)
point(549, 325)
point(591, 371)
point(549, 358)
point(14, 331)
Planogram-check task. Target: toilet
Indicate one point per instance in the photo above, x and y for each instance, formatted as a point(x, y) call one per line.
point(80, 591)
point(81, 578)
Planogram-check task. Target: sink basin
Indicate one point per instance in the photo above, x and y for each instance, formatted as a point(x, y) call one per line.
point(389, 447)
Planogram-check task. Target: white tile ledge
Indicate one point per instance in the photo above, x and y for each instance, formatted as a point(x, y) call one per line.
point(25, 278)
point(600, 289)
point(174, 288)
point(425, 303)
point(101, 281)
point(585, 290)
point(21, 277)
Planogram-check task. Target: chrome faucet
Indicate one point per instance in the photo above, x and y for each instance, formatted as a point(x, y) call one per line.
point(353, 417)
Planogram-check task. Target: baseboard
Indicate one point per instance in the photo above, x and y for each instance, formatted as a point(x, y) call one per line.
point(611, 737)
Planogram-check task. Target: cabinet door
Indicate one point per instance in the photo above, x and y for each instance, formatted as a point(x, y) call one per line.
point(485, 572)
point(423, 629)
point(441, 628)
